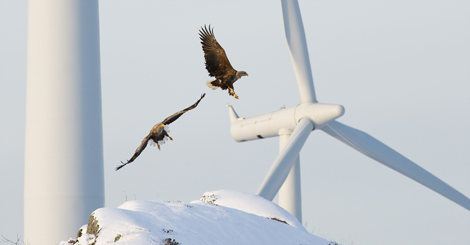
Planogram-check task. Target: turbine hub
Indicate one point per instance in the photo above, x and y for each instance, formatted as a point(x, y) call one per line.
point(320, 114)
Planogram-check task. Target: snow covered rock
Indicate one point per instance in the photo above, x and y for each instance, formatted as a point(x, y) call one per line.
point(250, 203)
point(220, 217)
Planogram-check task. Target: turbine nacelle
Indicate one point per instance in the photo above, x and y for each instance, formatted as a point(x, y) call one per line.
point(270, 124)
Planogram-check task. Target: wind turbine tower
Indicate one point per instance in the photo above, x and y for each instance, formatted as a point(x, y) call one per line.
point(64, 179)
point(293, 126)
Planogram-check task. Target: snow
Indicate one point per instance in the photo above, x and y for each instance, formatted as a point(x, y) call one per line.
point(252, 204)
point(220, 217)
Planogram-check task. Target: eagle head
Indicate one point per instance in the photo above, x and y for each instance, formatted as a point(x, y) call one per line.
point(241, 74)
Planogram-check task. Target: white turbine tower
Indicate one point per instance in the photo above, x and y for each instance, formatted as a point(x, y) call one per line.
point(293, 126)
point(64, 180)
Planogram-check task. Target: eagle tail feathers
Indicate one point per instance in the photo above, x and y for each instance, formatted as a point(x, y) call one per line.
point(213, 84)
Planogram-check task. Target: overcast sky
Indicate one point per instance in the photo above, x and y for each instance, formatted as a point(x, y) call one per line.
point(401, 69)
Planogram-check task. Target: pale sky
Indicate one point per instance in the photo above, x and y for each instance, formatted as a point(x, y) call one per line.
point(401, 69)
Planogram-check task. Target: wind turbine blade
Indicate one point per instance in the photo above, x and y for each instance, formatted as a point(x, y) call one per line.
point(380, 152)
point(284, 161)
point(298, 49)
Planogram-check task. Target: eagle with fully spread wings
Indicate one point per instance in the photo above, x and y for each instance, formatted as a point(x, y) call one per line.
point(217, 63)
point(159, 133)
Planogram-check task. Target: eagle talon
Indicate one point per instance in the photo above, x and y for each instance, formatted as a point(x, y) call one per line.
point(170, 137)
point(158, 145)
point(232, 93)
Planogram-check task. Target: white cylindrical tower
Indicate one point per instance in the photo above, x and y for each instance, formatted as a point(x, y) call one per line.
point(290, 195)
point(64, 179)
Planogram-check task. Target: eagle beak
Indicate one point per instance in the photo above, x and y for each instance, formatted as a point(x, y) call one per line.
point(247, 74)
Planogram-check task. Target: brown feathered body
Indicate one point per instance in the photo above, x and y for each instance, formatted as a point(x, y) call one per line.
point(217, 63)
point(159, 133)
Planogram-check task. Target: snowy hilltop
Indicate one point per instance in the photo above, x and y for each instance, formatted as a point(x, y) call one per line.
point(219, 217)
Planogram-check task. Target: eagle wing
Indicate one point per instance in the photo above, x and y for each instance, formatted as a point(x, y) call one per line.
point(217, 63)
point(175, 116)
point(137, 151)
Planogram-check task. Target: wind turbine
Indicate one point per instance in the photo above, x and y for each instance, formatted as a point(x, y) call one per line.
point(64, 179)
point(293, 125)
